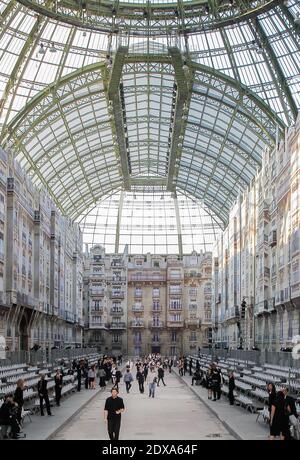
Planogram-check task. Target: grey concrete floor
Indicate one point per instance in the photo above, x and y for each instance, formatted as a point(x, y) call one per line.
point(175, 413)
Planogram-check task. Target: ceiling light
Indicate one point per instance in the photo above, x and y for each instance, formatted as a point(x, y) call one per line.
point(42, 49)
point(53, 49)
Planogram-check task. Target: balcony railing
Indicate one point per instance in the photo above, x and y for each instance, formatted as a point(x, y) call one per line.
point(137, 324)
point(117, 325)
point(115, 279)
point(175, 291)
point(174, 323)
point(137, 308)
point(147, 277)
point(116, 295)
point(97, 292)
point(155, 324)
point(96, 310)
point(232, 312)
point(138, 294)
point(192, 322)
point(117, 311)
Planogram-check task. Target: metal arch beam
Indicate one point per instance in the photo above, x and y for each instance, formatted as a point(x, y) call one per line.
point(291, 18)
point(120, 210)
point(241, 88)
point(279, 78)
point(113, 94)
point(178, 223)
point(179, 113)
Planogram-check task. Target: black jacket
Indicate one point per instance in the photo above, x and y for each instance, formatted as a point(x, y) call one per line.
point(42, 387)
point(18, 397)
point(58, 380)
point(6, 411)
point(289, 401)
point(160, 372)
point(140, 377)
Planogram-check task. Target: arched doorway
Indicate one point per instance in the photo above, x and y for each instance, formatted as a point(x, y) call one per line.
point(23, 333)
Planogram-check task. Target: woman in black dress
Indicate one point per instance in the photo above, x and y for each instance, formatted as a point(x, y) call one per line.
point(19, 399)
point(279, 421)
point(58, 380)
point(272, 395)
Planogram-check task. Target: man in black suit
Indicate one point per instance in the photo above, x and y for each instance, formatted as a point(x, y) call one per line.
point(43, 394)
point(114, 407)
point(289, 401)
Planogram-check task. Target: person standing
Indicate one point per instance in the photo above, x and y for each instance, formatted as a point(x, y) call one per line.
point(231, 387)
point(128, 379)
point(190, 366)
point(216, 384)
point(114, 407)
point(145, 371)
point(140, 379)
point(185, 365)
point(92, 376)
point(118, 378)
point(58, 380)
point(101, 375)
point(79, 376)
point(170, 364)
point(279, 421)
point(152, 384)
point(161, 374)
point(43, 394)
point(271, 389)
point(19, 399)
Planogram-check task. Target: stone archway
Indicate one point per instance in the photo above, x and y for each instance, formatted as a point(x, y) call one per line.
point(23, 333)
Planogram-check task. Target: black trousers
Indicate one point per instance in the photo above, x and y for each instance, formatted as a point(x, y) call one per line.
point(217, 392)
point(79, 384)
point(194, 379)
point(57, 395)
point(45, 398)
point(190, 371)
point(161, 379)
point(19, 414)
point(231, 397)
point(113, 427)
point(128, 386)
point(15, 427)
point(141, 387)
point(181, 372)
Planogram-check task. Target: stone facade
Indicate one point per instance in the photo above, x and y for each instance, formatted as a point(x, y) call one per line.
point(40, 266)
point(147, 303)
point(258, 255)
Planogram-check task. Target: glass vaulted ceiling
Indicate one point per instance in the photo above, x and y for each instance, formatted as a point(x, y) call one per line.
point(242, 81)
point(150, 221)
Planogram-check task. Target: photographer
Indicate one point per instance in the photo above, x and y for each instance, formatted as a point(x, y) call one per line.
point(8, 415)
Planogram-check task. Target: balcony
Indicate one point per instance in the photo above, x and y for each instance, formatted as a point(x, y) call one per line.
point(116, 295)
point(117, 325)
point(115, 279)
point(175, 308)
point(96, 325)
point(283, 189)
point(138, 308)
point(97, 292)
point(175, 324)
point(193, 323)
point(147, 278)
point(117, 311)
point(156, 309)
point(137, 324)
point(138, 294)
point(175, 292)
point(155, 324)
point(96, 310)
point(232, 313)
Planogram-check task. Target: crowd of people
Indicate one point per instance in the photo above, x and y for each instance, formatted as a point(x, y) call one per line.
point(281, 406)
